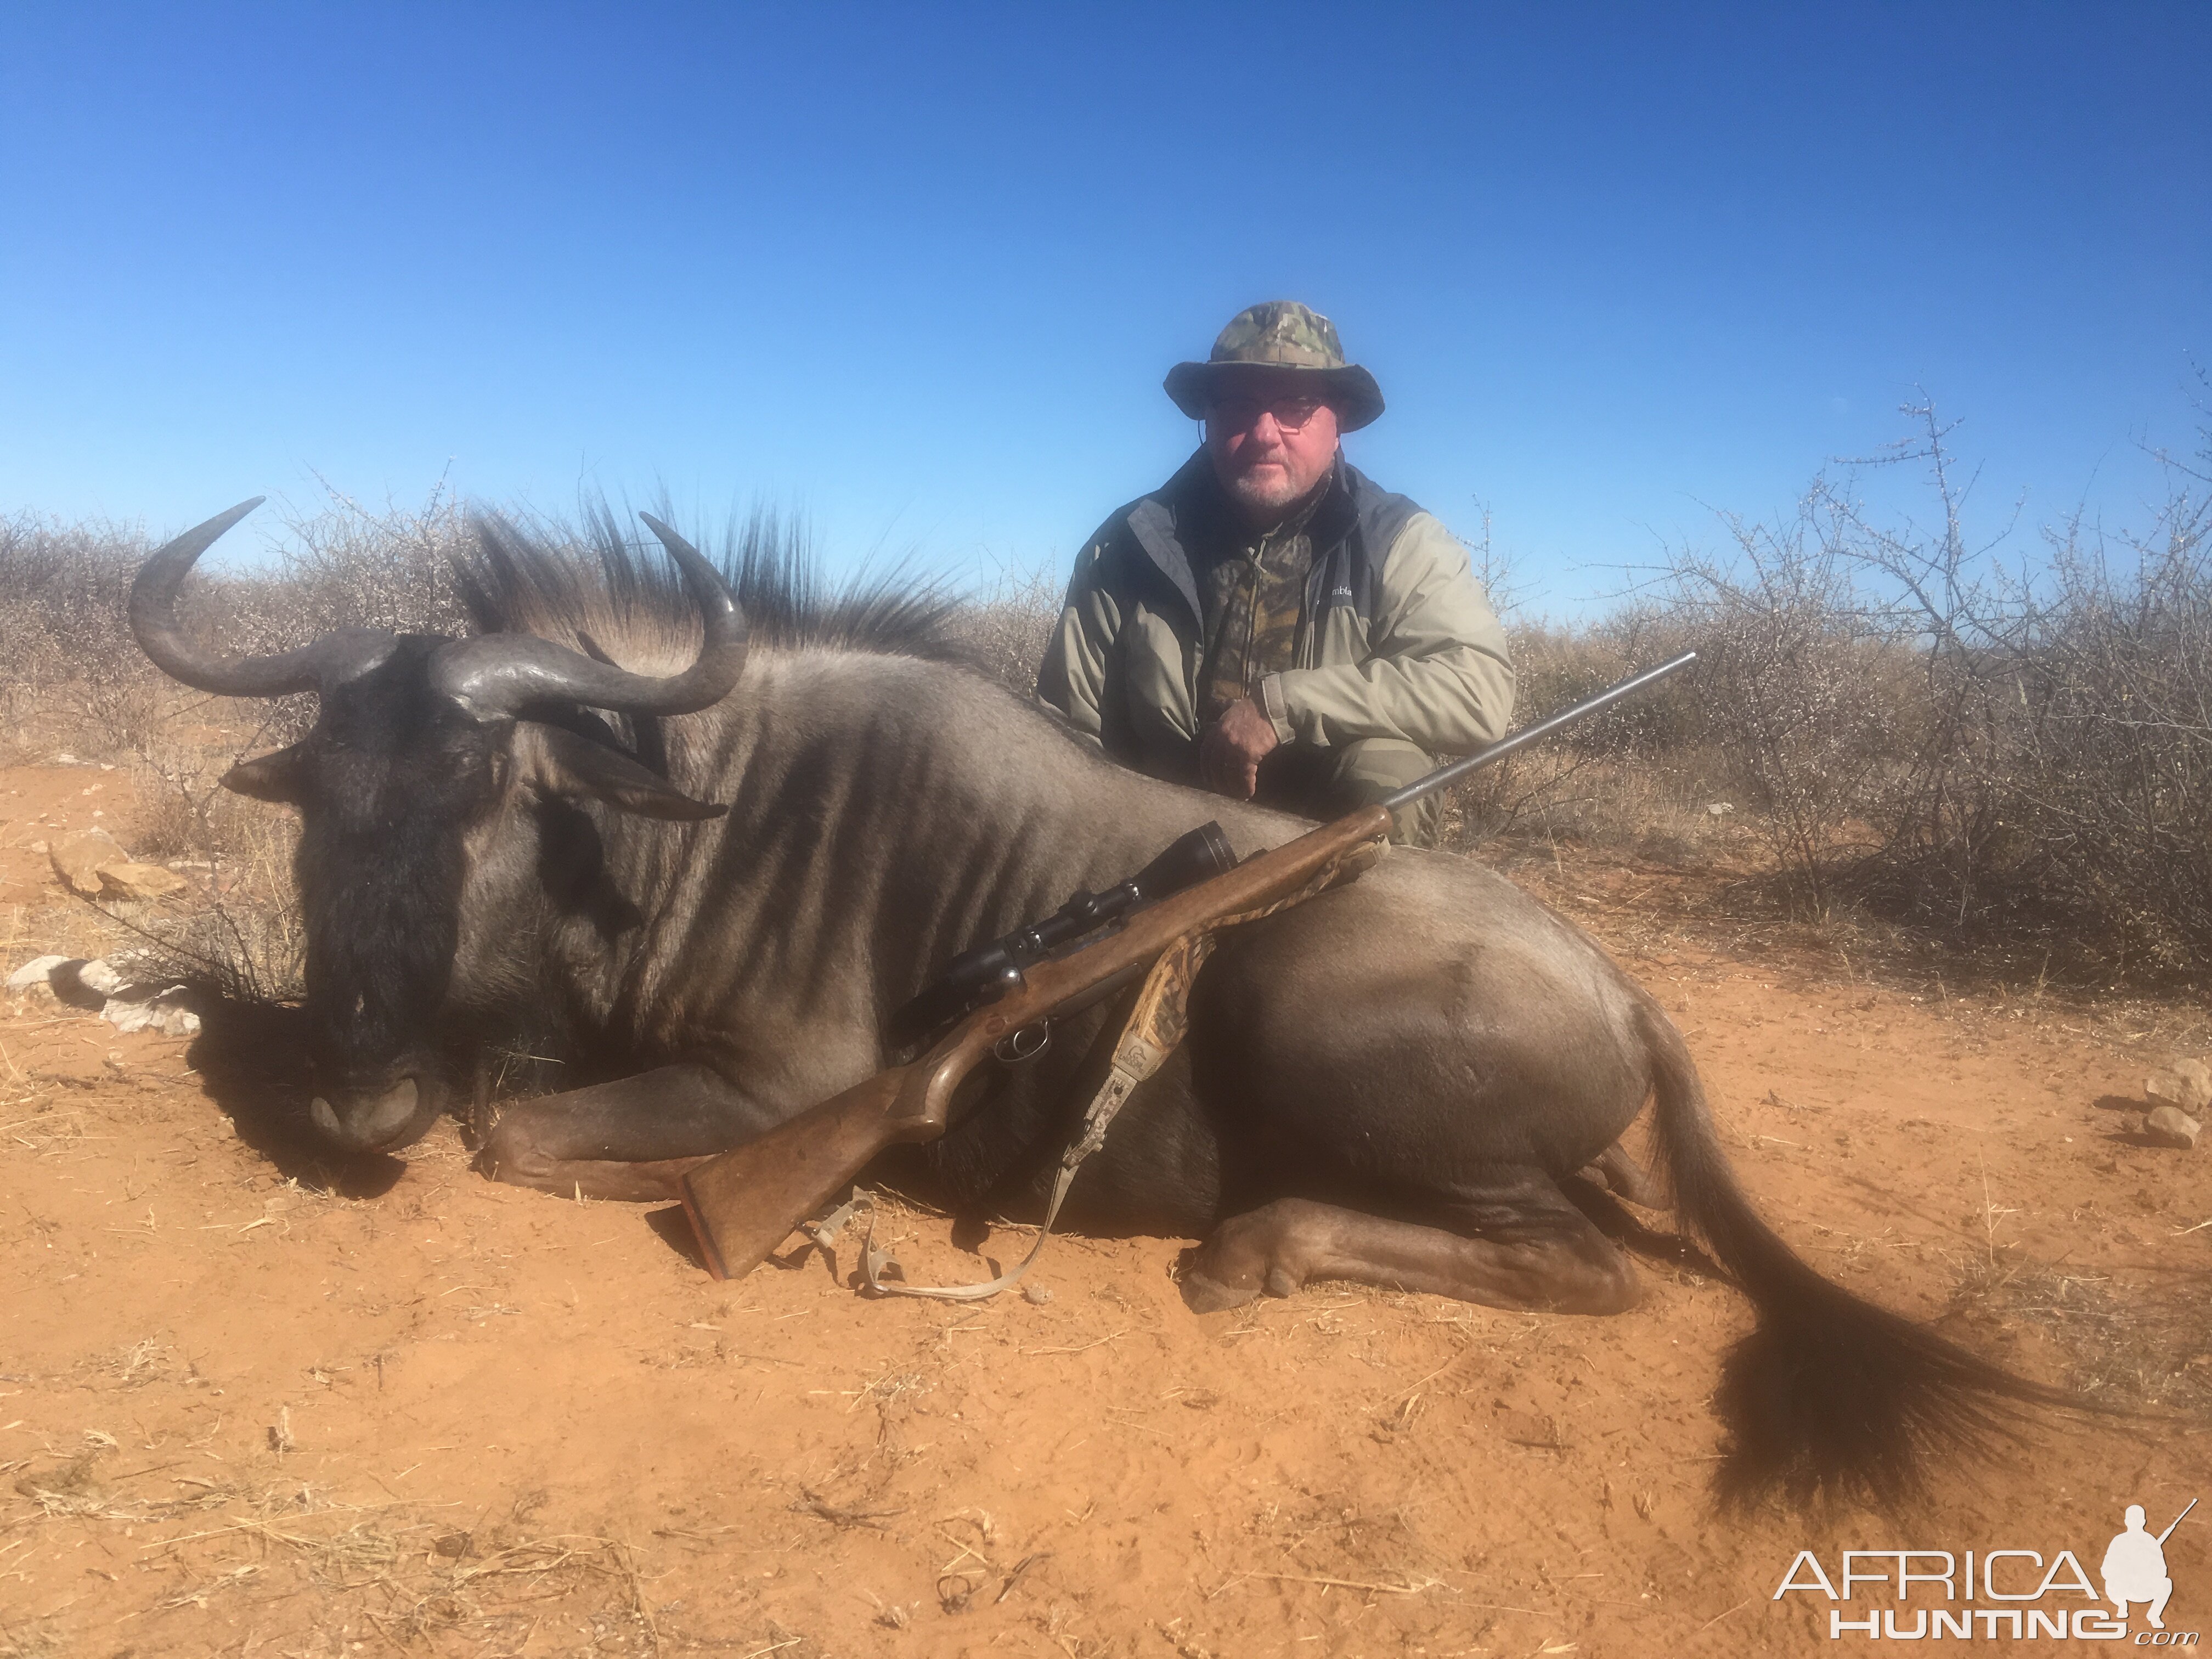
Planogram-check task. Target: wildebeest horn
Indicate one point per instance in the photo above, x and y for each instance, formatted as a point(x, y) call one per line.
point(496, 674)
point(333, 658)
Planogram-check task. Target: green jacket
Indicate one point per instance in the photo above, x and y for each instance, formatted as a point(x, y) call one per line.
point(1397, 641)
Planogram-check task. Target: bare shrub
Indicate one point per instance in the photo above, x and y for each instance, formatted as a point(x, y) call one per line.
point(2060, 771)
point(71, 662)
point(2016, 756)
point(1799, 687)
point(346, 565)
point(2111, 788)
point(1636, 777)
point(1006, 622)
point(351, 566)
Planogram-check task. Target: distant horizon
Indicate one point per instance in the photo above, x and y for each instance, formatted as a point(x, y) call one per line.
point(917, 276)
point(1900, 498)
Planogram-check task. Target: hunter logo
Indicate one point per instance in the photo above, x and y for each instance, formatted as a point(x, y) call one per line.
point(2033, 1597)
point(2134, 1566)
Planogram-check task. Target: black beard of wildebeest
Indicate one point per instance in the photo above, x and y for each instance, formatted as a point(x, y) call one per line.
point(703, 901)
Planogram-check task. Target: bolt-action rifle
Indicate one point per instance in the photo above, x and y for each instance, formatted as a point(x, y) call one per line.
point(1159, 924)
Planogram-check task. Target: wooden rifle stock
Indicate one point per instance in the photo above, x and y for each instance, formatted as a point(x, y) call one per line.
point(743, 1203)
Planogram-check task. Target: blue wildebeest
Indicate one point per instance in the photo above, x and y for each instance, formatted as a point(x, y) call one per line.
point(702, 881)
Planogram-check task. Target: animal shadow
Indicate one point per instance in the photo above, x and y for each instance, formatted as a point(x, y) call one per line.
point(252, 1059)
point(2130, 1136)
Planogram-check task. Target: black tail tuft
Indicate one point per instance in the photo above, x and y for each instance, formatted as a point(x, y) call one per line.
point(1829, 1398)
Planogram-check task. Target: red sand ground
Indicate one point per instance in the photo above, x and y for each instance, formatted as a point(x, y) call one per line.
point(246, 1410)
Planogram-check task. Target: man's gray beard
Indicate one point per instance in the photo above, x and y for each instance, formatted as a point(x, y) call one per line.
point(1250, 492)
point(1271, 503)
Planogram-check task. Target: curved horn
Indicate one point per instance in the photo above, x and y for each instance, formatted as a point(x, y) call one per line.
point(333, 658)
point(496, 674)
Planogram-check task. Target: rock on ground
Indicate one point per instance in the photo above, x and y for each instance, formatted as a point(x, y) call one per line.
point(2188, 1086)
point(92, 864)
point(79, 859)
point(139, 881)
point(33, 975)
point(2169, 1126)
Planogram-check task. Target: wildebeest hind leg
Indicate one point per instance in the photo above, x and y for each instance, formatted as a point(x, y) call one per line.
point(626, 1140)
point(1534, 1250)
point(1622, 1175)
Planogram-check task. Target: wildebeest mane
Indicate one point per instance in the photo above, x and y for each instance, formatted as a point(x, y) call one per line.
point(600, 581)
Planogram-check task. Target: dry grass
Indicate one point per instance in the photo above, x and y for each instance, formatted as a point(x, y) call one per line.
point(243, 937)
point(2131, 1351)
point(403, 1570)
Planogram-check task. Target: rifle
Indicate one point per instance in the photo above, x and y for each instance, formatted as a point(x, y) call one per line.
point(990, 971)
point(742, 1203)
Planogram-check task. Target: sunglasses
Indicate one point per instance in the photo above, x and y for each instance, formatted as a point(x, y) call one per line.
point(1291, 412)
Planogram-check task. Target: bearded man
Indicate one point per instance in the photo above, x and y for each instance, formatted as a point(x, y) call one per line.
point(1268, 623)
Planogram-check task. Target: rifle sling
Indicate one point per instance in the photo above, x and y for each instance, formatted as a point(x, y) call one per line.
point(1154, 1031)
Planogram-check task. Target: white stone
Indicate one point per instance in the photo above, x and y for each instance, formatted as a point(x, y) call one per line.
point(164, 1011)
point(35, 972)
point(98, 975)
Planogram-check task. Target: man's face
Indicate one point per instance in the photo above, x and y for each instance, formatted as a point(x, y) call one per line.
point(1270, 439)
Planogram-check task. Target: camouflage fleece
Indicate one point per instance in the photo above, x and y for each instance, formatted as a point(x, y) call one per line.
point(1252, 590)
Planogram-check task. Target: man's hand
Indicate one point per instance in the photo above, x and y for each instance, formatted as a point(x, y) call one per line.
point(1230, 753)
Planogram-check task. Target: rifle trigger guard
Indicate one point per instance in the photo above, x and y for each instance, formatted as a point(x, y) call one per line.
point(1023, 1044)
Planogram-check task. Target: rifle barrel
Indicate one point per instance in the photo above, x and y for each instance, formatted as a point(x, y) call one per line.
point(1543, 728)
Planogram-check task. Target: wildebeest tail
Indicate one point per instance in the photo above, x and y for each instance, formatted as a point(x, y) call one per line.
point(1829, 1396)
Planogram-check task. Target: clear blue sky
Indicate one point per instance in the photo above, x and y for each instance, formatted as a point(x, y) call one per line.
point(918, 269)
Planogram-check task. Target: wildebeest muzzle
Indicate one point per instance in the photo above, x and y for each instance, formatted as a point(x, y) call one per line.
point(377, 1120)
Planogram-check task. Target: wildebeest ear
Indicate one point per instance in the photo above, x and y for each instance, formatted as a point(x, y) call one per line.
point(566, 765)
point(274, 776)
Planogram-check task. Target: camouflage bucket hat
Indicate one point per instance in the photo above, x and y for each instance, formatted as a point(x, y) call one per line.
point(1281, 334)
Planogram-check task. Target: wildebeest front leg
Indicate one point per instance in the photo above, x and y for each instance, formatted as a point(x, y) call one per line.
point(1547, 1258)
point(626, 1140)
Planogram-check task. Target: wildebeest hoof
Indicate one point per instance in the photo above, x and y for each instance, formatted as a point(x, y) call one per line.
point(507, 1154)
point(1204, 1294)
point(1262, 1251)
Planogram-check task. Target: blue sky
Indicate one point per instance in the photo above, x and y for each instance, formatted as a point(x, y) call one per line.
point(918, 271)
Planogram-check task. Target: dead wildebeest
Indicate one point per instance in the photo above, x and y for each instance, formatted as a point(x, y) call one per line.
point(1387, 1083)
